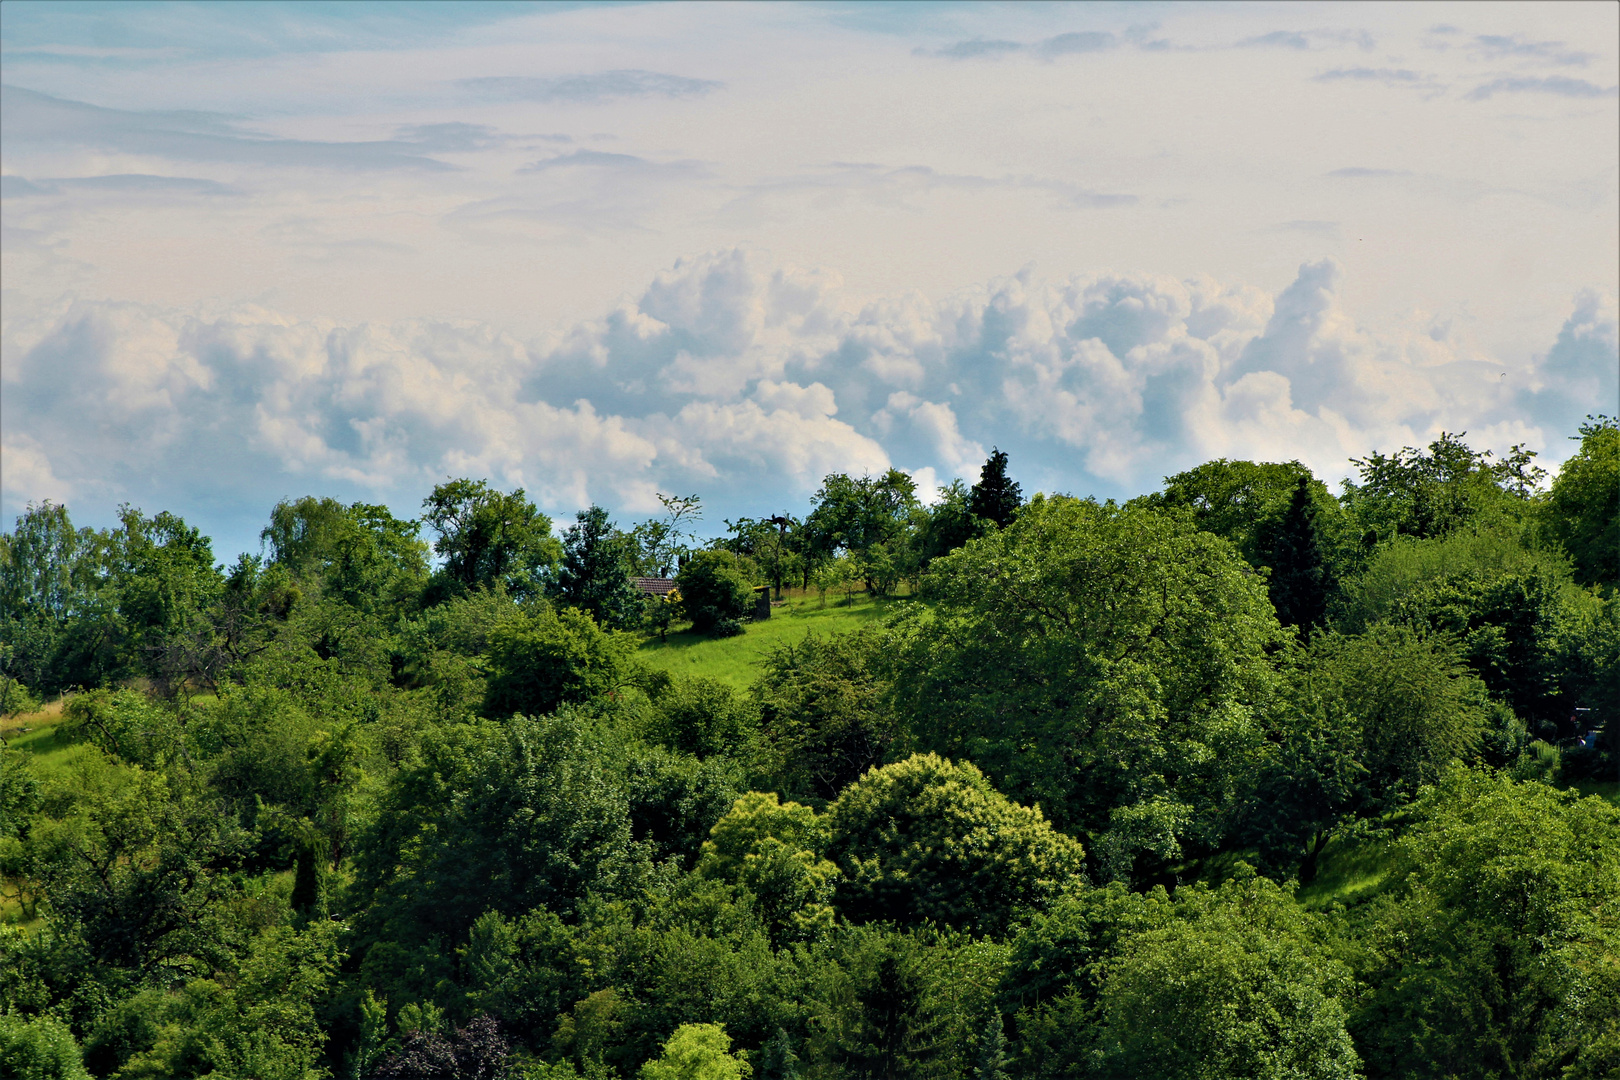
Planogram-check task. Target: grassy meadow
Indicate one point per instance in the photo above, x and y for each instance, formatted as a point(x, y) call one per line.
point(736, 660)
point(39, 733)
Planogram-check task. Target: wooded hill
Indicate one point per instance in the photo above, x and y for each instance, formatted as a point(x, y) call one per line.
point(1241, 778)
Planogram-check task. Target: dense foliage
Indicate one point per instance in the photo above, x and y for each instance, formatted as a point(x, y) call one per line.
point(1238, 779)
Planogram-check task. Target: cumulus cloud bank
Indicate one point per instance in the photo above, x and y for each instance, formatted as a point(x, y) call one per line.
point(748, 382)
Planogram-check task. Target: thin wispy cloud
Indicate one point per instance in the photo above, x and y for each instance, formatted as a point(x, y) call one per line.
point(1303, 40)
point(119, 184)
point(1359, 172)
point(598, 86)
point(599, 159)
point(1557, 85)
point(1460, 189)
point(1070, 44)
point(902, 186)
point(1517, 46)
point(96, 52)
point(452, 136)
point(30, 117)
point(1403, 78)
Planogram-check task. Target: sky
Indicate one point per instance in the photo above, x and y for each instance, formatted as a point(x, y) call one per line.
point(255, 251)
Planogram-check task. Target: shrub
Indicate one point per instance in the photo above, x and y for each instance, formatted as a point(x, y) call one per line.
point(39, 1049)
point(549, 659)
point(716, 591)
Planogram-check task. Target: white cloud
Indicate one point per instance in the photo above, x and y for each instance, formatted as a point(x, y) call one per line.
point(749, 381)
point(27, 468)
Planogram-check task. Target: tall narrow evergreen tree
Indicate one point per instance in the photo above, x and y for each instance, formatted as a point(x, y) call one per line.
point(992, 1058)
point(777, 1059)
point(995, 497)
point(1292, 547)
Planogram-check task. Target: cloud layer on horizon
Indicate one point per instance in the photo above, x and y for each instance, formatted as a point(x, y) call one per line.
point(354, 249)
point(748, 381)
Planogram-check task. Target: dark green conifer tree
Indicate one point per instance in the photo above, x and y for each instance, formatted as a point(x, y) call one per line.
point(1292, 547)
point(992, 1059)
point(995, 497)
point(777, 1059)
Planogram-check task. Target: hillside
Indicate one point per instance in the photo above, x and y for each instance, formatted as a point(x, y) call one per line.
point(736, 660)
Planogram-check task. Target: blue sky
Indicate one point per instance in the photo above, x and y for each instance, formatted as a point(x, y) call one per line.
point(252, 251)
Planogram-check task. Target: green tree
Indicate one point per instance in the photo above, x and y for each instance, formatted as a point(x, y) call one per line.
point(546, 659)
point(595, 573)
point(503, 817)
point(1370, 719)
point(139, 870)
point(1230, 981)
point(778, 1061)
point(360, 553)
point(948, 524)
point(703, 717)
point(1512, 630)
point(1292, 546)
point(1582, 510)
point(38, 1049)
point(47, 567)
point(522, 971)
point(929, 840)
point(129, 726)
point(996, 497)
point(1431, 492)
point(1416, 706)
point(1057, 963)
point(697, 1052)
point(773, 849)
point(165, 580)
point(900, 1006)
point(771, 543)
point(717, 591)
point(58, 622)
point(1235, 500)
point(1233, 988)
point(661, 544)
point(1108, 663)
point(261, 1022)
point(1313, 782)
point(658, 613)
point(302, 533)
point(675, 799)
point(1408, 566)
point(887, 564)
point(1494, 956)
point(854, 513)
point(992, 1058)
point(824, 712)
point(488, 537)
point(839, 573)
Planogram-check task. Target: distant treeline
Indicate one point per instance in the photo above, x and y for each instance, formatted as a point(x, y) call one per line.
point(1240, 778)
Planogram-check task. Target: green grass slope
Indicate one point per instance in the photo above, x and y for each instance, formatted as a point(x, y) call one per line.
point(40, 734)
point(737, 660)
point(1347, 872)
